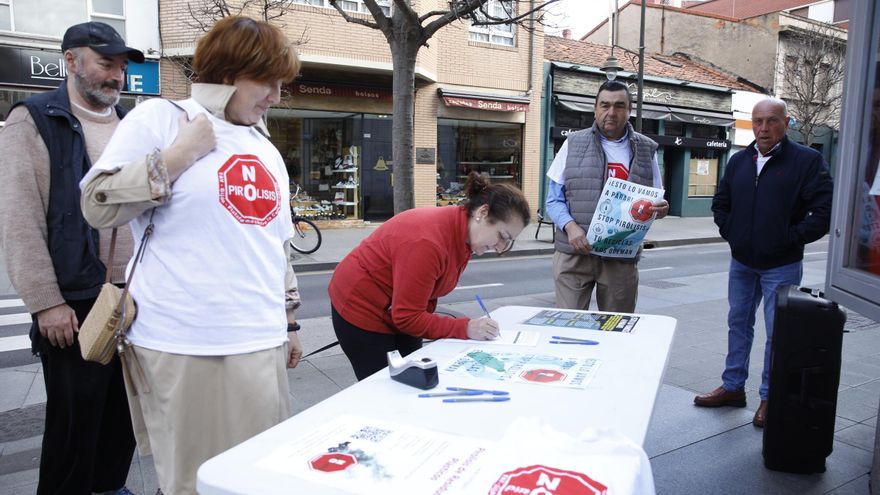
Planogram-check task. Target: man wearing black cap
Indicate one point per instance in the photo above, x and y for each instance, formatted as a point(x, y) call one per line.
point(58, 263)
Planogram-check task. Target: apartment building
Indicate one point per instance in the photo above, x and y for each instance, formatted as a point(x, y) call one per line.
point(476, 107)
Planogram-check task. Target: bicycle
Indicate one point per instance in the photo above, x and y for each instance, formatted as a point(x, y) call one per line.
point(306, 235)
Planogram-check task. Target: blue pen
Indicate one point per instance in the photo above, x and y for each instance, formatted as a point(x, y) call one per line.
point(448, 394)
point(486, 311)
point(590, 342)
point(572, 339)
point(480, 301)
point(479, 399)
point(478, 391)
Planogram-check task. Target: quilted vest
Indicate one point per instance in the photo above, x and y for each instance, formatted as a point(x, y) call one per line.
point(586, 170)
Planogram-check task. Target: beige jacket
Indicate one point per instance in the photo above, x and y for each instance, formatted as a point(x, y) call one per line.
point(115, 197)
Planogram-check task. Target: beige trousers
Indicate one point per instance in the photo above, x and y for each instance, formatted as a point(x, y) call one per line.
point(616, 282)
point(200, 406)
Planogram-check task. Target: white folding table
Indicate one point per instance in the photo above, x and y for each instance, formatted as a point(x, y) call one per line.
point(620, 397)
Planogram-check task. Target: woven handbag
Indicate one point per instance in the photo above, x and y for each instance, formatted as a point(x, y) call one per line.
point(103, 331)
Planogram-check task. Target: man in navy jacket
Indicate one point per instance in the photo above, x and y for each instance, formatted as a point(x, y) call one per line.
point(774, 198)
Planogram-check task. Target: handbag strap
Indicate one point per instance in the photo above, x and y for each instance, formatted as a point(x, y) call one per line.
point(138, 257)
point(110, 258)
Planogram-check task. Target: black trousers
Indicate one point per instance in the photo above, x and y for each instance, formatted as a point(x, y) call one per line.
point(88, 441)
point(368, 351)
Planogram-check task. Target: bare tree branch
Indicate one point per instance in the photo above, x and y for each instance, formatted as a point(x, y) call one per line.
point(354, 20)
point(811, 71)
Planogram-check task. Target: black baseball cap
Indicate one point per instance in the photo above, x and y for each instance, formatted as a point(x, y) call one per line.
point(100, 37)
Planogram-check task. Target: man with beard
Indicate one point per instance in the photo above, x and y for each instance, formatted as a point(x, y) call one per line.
point(610, 148)
point(58, 263)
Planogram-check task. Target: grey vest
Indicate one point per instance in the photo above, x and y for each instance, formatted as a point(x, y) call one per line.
point(586, 170)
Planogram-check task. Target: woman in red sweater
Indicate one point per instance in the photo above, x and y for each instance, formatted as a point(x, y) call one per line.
point(384, 293)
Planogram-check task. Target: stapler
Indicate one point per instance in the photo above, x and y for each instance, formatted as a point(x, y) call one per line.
point(418, 373)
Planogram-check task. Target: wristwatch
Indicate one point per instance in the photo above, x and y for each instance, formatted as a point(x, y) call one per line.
point(292, 327)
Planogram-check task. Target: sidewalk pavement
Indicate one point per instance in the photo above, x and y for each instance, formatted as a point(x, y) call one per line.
point(692, 450)
point(534, 239)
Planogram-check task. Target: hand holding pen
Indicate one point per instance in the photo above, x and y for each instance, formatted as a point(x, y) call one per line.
point(483, 328)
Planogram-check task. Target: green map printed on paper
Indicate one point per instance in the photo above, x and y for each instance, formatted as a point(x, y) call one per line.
point(541, 369)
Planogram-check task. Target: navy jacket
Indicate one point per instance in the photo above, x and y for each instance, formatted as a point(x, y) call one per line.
point(768, 219)
point(73, 244)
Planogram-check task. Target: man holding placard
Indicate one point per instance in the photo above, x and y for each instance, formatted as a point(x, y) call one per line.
point(579, 202)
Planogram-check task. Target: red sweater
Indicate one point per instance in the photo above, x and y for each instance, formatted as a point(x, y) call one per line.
point(391, 282)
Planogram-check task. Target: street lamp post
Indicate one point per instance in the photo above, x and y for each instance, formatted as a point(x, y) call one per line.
point(612, 67)
point(641, 81)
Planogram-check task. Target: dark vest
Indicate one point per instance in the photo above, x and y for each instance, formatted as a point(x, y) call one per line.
point(73, 244)
point(586, 170)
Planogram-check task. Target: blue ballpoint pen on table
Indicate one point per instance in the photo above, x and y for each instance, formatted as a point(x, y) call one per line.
point(572, 340)
point(478, 391)
point(479, 399)
point(452, 394)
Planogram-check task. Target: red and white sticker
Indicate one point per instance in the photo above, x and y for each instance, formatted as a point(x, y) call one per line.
point(332, 462)
point(544, 480)
point(618, 171)
point(248, 190)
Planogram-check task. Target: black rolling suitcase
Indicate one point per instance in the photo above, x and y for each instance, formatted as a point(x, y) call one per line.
point(804, 376)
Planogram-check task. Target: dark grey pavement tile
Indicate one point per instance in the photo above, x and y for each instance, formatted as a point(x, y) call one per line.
point(856, 405)
point(677, 422)
point(731, 463)
point(858, 486)
point(858, 435)
point(20, 461)
point(21, 423)
point(19, 483)
point(681, 378)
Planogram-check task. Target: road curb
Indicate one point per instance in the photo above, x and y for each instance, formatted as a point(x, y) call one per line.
point(307, 267)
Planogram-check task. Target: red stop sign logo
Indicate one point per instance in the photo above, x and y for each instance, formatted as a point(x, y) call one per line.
point(248, 190)
point(641, 210)
point(543, 480)
point(543, 376)
point(332, 462)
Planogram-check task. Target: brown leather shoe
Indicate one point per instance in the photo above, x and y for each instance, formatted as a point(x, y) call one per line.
point(721, 397)
point(760, 414)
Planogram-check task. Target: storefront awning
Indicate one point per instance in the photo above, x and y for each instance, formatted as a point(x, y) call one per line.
point(650, 111)
point(481, 101)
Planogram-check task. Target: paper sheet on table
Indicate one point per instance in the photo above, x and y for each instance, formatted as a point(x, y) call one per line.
point(524, 367)
point(372, 457)
point(514, 337)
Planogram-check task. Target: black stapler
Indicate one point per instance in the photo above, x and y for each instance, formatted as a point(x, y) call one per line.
point(421, 373)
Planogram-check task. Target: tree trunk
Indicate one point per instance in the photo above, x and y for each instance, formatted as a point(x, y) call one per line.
point(403, 56)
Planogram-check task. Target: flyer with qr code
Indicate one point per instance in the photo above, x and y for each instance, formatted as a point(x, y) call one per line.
point(622, 218)
point(372, 457)
point(524, 367)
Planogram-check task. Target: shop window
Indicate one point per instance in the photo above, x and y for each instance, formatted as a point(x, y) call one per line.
point(708, 131)
point(570, 118)
point(649, 126)
point(498, 34)
point(53, 17)
point(703, 173)
point(673, 129)
point(322, 156)
point(490, 148)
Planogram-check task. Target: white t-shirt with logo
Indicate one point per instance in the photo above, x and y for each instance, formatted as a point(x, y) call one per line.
point(212, 278)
